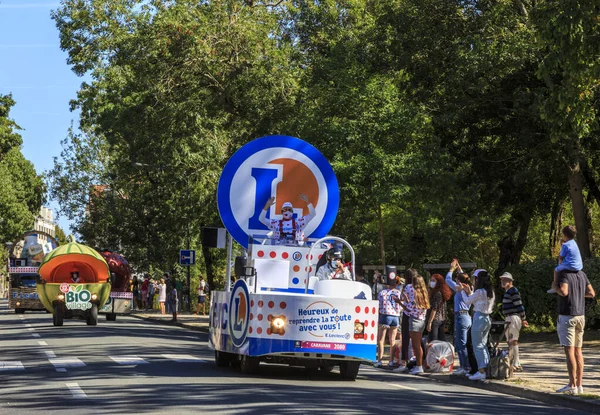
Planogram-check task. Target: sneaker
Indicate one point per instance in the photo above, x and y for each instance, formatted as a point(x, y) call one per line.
point(568, 389)
point(459, 372)
point(378, 364)
point(580, 390)
point(517, 368)
point(400, 369)
point(392, 363)
point(477, 376)
point(551, 291)
point(417, 370)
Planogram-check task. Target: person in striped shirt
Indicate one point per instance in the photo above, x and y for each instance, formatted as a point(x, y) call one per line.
point(514, 314)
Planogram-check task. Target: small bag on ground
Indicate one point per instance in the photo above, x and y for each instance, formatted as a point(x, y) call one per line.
point(440, 357)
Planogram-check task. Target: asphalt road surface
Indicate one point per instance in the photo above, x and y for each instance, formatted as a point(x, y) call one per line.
point(133, 366)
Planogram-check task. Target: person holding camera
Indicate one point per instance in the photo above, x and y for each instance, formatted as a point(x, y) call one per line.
point(482, 299)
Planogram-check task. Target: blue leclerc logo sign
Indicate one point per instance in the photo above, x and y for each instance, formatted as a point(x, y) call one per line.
point(282, 167)
point(239, 313)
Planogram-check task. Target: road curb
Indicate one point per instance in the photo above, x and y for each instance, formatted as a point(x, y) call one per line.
point(168, 323)
point(568, 401)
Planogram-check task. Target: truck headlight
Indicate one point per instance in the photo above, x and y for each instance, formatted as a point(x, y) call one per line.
point(18, 304)
point(61, 297)
point(94, 296)
point(278, 325)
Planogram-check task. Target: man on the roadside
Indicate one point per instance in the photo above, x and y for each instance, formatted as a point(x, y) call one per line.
point(573, 288)
point(514, 315)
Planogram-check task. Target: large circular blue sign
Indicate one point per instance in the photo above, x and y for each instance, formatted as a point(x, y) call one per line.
point(286, 168)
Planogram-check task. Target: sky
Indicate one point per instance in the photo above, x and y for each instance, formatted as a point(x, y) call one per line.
point(35, 71)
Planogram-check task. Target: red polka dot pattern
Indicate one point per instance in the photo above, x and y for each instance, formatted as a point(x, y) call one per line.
point(273, 254)
point(271, 304)
point(285, 255)
point(282, 305)
point(260, 254)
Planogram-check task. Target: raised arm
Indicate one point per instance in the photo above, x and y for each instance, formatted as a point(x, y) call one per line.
point(263, 213)
point(311, 209)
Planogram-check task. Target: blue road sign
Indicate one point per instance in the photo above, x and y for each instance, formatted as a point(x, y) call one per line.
point(187, 257)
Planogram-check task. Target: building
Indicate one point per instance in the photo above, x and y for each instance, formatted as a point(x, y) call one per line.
point(44, 223)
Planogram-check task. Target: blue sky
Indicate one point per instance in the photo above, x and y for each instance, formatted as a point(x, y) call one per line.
point(35, 71)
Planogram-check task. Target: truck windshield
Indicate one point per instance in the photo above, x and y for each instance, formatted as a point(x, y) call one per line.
point(25, 281)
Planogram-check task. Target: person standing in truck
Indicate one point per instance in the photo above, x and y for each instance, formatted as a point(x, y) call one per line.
point(287, 229)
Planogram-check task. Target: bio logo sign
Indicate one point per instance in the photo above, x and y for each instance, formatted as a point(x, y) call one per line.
point(77, 298)
point(239, 313)
point(282, 167)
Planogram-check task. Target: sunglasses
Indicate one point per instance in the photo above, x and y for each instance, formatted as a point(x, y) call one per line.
point(286, 210)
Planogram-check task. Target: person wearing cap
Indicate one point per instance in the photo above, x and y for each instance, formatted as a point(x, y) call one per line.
point(287, 229)
point(334, 269)
point(514, 315)
point(482, 299)
point(389, 315)
point(75, 277)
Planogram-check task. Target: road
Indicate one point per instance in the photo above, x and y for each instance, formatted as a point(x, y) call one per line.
point(134, 366)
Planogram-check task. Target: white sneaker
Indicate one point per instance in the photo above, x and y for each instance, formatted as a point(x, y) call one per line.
point(378, 364)
point(400, 369)
point(568, 389)
point(391, 363)
point(417, 370)
point(580, 390)
point(551, 291)
point(477, 376)
point(459, 372)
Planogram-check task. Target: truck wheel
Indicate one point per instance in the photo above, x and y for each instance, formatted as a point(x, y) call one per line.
point(349, 370)
point(92, 319)
point(249, 364)
point(222, 359)
point(111, 317)
point(57, 316)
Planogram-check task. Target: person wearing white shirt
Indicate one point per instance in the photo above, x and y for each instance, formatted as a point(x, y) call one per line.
point(482, 299)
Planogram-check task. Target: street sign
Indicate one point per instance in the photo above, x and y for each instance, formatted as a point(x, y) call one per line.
point(187, 257)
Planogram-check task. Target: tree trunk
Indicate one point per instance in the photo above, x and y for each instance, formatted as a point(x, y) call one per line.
point(590, 181)
point(511, 250)
point(579, 212)
point(558, 207)
point(381, 236)
point(589, 218)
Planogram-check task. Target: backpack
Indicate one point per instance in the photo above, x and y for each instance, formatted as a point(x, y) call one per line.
point(206, 289)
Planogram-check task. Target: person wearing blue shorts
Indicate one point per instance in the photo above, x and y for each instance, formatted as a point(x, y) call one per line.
point(389, 314)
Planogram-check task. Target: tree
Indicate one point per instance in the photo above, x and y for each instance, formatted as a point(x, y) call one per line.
point(22, 191)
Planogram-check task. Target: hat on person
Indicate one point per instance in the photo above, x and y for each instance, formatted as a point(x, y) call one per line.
point(507, 276)
point(287, 205)
point(478, 271)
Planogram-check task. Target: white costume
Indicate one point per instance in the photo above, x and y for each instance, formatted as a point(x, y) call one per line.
point(288, 229)
point(327, 272)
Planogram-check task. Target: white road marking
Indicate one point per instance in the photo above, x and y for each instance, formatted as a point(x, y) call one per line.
point(30, 329)
point(49, 354)
point(183, 358)
point(11, 365)
point(27, 325)
point(414, 389)
point(128, 360)
point(35, 335)
point(67, 362)
point(76, 391)
point(42, 343)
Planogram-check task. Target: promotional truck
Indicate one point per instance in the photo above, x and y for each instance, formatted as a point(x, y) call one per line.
point(120, 300)
point(74, 283)
point(282, 309)
point(25, 256)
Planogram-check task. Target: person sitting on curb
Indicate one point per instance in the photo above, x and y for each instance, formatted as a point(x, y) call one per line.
point(514, 315)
